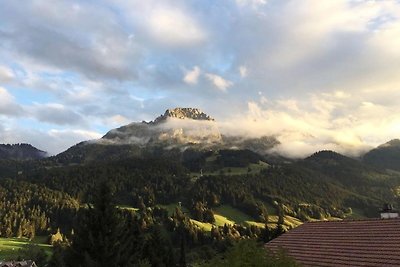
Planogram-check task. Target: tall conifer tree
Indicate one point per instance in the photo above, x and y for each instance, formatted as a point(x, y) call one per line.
point(99, 239)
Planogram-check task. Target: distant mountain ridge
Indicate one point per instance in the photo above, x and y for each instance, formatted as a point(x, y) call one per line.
point(174, 132)
point(20, 152)
point(225, 172)
point(182, 129)
point(386, 156)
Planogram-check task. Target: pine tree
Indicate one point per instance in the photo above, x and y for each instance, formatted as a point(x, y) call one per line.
point(99, 238)
point(158, 248)
point(182, 256)
point(19, 231)
point(281, 220)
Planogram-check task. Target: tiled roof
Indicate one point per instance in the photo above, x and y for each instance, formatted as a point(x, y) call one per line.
point(374, 242)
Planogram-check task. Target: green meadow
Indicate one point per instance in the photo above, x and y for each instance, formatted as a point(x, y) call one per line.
point(9, 247)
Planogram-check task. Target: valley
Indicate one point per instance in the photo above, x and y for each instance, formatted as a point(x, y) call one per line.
point(212, 193)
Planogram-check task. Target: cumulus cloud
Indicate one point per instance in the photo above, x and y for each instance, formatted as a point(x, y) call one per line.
point(172, 26)
point(219, 82)
point(6, 74)
point(243, 71)
point(60, 140)
point(56, 113)
point(117, 120)
point(252, 3)
point(192, 76)
point(52, 140)
point(8, 106)
point(349, 125)
point(101, 59)
point(38, 33)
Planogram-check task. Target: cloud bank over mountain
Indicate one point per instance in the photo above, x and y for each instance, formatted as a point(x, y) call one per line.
point(318, 74)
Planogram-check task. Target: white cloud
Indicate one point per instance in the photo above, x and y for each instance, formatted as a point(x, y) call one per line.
point(5, 96)
point(243, 71)
point(252, 3)
point(172, 26)
point(52, 141)
point(350, 126)
point(6, 74)
point(55, 113)
point(219, 82)
point(55, 141)
point(46, 36)
point(8, 106)
point(342, 55)
point(192, 77)
point(116, 121)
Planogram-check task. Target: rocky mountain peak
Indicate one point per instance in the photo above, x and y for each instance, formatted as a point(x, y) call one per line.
point(184, 113)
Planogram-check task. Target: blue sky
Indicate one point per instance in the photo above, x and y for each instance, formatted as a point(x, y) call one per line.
point(316, 74)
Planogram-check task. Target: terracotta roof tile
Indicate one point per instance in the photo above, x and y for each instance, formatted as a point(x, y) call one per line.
point(374, 242)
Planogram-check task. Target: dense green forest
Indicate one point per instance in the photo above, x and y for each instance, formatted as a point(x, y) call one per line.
point(166, 201)
point(28, 209)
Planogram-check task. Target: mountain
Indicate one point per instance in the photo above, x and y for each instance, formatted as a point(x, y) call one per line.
point(208, 185)
point(176, 128)
point(170, 134)
point(349, 172)
point(184, 113)
point(386, 156)
point(181, 171)
point(184, 128)
point(20, 152)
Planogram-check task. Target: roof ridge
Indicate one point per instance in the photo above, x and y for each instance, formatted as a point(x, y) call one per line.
point(354, 220)
point(359, 242)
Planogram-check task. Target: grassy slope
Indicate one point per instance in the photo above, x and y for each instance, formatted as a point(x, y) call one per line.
point(289, 222)
point(205, 226)
point(232, 213)
point(222, 220)
point(226, 214)
point(9, 247)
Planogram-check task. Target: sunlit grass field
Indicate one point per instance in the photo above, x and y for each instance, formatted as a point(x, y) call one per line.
point(9, 247)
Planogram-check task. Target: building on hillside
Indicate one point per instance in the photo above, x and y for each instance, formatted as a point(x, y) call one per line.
point(370, 242)
point(27, 263)
point(388, 212)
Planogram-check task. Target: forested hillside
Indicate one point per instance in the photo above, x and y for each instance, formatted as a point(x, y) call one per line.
point(20, 152)
point(386, 156)
point(28, 209)
point(214, 195)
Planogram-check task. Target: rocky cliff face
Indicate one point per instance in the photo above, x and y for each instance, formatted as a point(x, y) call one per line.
point(177, 127)
point(184, 113)
point(183, 128)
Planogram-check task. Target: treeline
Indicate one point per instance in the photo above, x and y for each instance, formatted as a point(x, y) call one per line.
point(303, 192)
point(161, 181)
point(151, 180)
point(317, 187)
point(107, 236)
point(197, 160)
point(28, 209)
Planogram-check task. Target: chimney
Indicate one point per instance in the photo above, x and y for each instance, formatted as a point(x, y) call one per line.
point(388, 212)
